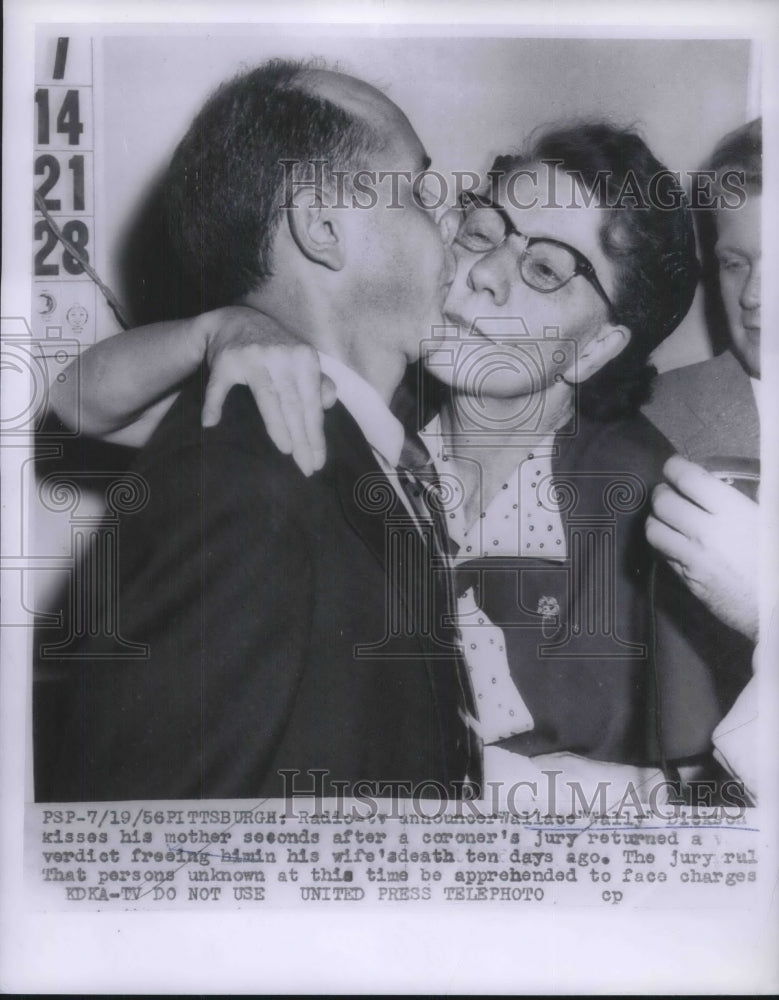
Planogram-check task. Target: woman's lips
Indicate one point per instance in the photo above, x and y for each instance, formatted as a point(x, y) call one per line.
point(467, 328)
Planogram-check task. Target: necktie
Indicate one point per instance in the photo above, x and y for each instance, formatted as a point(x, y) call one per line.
point(422, 486)
point(419, 479)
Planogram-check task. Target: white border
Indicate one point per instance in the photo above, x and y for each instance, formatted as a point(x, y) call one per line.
point(398, 950)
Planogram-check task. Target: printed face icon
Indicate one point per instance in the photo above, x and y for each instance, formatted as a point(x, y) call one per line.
point(76, 316)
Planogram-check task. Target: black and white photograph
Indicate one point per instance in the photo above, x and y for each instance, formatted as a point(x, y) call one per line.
point(389, 499)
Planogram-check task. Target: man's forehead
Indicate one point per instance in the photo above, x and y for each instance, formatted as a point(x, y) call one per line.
point(740, 225)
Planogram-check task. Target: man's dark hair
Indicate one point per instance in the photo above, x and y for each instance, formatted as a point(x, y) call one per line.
point(226, 183)
point(652, 247)
point(741, 150)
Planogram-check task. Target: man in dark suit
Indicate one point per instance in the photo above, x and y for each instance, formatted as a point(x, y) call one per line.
point(709, 531)
point(709, 411)
point(284, 636)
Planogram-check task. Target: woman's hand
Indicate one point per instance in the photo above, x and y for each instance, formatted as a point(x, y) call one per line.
point(246, 347)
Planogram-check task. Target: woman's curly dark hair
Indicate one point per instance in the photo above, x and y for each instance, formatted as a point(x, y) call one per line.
point(647, 232)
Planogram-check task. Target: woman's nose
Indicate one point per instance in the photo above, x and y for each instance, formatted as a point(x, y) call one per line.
point(489, 274)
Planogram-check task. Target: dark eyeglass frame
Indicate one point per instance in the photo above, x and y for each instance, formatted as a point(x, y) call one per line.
point(583, 266)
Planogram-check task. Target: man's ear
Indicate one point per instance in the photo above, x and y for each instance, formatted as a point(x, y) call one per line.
point(607, 343)
point(315, 228)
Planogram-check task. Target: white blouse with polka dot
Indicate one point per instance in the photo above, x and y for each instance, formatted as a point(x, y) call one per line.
point(521, 520)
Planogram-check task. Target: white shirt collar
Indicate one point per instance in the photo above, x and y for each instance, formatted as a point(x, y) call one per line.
point(755, 383)
point(380, 427)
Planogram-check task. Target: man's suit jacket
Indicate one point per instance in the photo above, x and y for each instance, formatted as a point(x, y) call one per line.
point(252, 586)
point(707, 410)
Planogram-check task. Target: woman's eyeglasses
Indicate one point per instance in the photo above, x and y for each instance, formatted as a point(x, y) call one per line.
point(544, 264)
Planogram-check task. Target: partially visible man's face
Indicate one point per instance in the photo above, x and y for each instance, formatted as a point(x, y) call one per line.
point(410, 266)
point(739, 254)
point(404, 268)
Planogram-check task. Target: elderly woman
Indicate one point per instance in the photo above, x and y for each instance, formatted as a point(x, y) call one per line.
point(574, 265)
